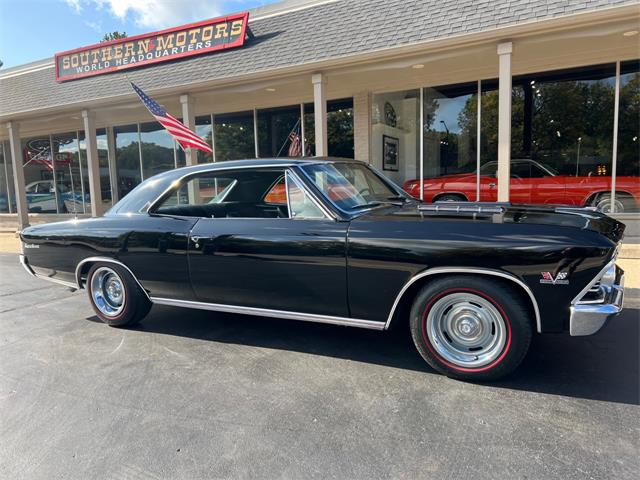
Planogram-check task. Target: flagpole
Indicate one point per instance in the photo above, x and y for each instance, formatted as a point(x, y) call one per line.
point(294, 129)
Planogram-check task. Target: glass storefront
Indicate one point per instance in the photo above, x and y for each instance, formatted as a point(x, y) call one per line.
point(233, 136)
point(274, 127)
point(432, 140)
point(204, 131)
point(395, 134)
point(561, 140)
point(450, 130)
point(53, 174)
point(562, 136)
point(339, 128)
point(7, 197)
point(128, 170)
point(628, 151)
point(157, 149)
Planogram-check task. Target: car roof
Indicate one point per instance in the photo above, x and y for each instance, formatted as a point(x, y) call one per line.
point(258, 163)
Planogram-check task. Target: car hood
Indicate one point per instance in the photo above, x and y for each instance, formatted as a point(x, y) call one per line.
point(562, 216)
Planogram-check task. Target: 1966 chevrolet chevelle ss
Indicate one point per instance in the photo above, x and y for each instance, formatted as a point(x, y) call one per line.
point(333, 241)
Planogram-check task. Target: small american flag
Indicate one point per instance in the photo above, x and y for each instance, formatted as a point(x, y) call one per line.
point(295, 147)
point(185, 137)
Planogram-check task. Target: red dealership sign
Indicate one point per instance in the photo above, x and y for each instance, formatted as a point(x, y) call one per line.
point(184, 41)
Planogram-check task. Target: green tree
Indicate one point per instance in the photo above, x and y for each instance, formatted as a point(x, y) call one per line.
point(115, 35)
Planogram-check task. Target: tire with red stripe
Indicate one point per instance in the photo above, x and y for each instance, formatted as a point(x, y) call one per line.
point(471, 327)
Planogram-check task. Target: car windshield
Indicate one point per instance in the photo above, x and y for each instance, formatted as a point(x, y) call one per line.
point(350, 186)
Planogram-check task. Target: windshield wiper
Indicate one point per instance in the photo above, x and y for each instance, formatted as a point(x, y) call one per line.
point(367, 205)
point(398, 198)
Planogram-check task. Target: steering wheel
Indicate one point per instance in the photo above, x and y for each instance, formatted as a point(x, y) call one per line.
point(367, 190)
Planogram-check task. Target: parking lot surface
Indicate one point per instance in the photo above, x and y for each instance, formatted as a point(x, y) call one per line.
point(192, 394)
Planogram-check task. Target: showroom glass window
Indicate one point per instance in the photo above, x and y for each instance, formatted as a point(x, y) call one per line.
point(103, 162)
point(128, 172)
point(339, 128)
point(450, 129)
point(71, 173)
point(628, 161)
point(274, 127)
point(157, 147)
point(395, 134)
point(46, 172)
point(7, 197)
point(563, 122)
point(234, 137)
point(205, 132)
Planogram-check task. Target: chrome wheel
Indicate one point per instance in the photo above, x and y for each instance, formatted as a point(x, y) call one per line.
point(107, 291)
point(604, 206)
point(466, 329)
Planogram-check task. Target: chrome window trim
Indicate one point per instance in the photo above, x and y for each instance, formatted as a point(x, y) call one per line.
point(226, 191)
point(481, 271)
point(266, 312)
point(27, 267)
point(290, 176)
point(105, 260)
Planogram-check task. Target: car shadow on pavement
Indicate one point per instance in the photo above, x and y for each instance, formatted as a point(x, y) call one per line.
point(600, 367)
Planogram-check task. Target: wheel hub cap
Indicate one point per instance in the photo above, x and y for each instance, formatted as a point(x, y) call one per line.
point(466, 329)
point(107, 291)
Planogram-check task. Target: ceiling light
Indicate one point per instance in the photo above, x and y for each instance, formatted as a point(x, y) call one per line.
point(630, 33)
point(270, 89)
point(418, 66)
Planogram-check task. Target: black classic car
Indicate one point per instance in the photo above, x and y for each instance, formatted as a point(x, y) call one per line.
point(334, 241)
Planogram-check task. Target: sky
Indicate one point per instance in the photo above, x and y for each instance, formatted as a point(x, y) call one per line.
point(31, 30)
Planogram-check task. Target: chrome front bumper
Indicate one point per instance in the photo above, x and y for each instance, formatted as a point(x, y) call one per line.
point(588, 318)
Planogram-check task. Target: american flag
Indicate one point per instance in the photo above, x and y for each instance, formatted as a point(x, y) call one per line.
point(185, 137)
point(295, 145)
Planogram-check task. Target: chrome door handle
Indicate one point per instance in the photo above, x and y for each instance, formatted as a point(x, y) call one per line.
point(492, 185)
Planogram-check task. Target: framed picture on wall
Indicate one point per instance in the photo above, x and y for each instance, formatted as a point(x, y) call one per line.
point(390, 153)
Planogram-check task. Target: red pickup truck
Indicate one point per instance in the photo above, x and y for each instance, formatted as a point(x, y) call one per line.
point(533, 183)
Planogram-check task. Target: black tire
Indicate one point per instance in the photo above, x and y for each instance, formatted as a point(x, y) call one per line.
point(451, 197)
point(506, 317)
point(623, 203)
point(135, 305)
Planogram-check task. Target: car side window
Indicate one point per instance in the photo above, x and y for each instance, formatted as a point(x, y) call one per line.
point(277, 193)
point(520, 170)
point(537, 172)
point(301, 206)
point(227, 194)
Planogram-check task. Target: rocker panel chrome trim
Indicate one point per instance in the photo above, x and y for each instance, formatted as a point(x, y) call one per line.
point(265, 312)
point(481, 271)
point(106, 260)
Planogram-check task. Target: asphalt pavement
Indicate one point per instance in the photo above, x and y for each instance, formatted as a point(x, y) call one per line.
point(192, 395)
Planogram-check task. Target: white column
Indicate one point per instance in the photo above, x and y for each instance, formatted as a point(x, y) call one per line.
point(504, 120)
point(320, 113)
point(111, 159)
point(362, 126)
point(189, 119)
point(18, 174)
point(93, 163)
point(614, 157)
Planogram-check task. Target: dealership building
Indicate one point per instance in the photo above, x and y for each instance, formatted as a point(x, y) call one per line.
point(540, 96)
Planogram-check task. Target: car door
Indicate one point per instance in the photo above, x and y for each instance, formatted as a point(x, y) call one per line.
point(293, 260)
point(545, 188)
point(520, 183)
